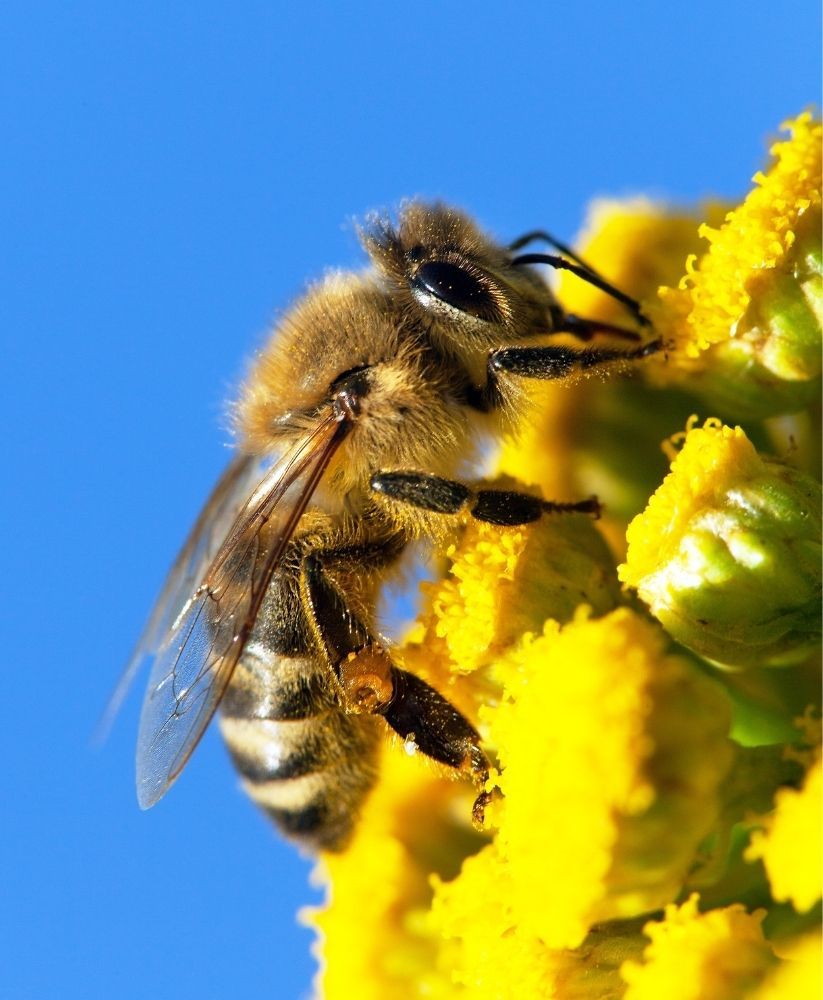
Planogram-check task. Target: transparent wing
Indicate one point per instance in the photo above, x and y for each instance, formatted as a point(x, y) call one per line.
point(194, 664)
point(187, 571)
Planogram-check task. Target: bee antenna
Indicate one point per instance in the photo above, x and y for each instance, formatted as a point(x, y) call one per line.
point(588, 274)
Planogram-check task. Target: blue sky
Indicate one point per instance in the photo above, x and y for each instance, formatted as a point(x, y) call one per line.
point(172, 174)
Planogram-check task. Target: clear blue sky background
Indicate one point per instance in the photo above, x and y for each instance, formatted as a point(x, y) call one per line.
point(171, 175)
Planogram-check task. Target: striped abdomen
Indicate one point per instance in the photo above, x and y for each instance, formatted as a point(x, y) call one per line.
point(303, 760)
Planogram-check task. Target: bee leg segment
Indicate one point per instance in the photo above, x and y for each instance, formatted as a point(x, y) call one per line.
point(551, 362)
point(427, 722)
point(446, 496)
point(370, 682)
point(360, 664)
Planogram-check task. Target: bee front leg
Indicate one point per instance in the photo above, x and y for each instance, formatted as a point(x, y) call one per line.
point(552, 362)
point(370, 682)
point(548, 362)
point(446, 496)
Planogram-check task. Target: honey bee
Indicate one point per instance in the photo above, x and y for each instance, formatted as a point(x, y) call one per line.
point(351, 426)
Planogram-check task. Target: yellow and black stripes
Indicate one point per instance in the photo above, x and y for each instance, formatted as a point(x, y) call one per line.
point(303, 761)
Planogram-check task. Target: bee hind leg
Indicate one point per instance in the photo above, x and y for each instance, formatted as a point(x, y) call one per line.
point(370, 682)
point(427, 722)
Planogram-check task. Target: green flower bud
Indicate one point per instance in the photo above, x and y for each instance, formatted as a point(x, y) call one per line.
point(772, 364)
point(727, 554)
point(744, 324)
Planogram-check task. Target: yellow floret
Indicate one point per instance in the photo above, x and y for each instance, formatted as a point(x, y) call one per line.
point(490, 955)
point(371, 933)
point(727, 553)
point(791, 845)
point(717, 955)
point(612, 753)
point(713, 459)
point(503, 582)
point(798, 977)
point(464, 604)
point(713, 298)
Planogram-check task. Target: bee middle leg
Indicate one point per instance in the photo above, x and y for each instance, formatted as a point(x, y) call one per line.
point(447, 496)
point(370, 682)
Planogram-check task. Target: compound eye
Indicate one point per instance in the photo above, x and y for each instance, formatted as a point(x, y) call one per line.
point(457, 288)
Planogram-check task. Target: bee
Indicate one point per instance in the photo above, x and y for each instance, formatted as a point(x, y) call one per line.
point(351, 426)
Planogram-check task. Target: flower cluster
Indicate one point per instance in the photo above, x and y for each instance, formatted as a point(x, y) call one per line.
point(648, 686)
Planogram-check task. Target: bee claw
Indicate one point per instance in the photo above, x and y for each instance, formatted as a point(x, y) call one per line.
point(479, 807)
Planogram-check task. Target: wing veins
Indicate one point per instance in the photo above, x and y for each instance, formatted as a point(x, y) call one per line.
point(219, 617)
point(174, 598)
point(271, 559)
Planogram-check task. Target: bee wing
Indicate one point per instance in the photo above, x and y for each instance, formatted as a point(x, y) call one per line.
point(194, 664)
point(201, 546)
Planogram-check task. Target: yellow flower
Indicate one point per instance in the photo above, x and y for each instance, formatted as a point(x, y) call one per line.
point(798, 977)
point(619, 786)
point(791, 843)
point(490, 955)
point(745, 321)
point(503, 582)
point(372, 928)
point(718, 955)
point(755, 238)
point(612, 754)
point(727, 553)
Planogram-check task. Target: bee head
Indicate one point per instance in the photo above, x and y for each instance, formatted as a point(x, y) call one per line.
point(454, 280)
